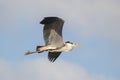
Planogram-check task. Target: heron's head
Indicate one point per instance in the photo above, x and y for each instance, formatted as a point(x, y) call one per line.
point(71, 44)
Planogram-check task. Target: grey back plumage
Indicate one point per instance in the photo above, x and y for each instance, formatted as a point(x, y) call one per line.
point(52, 31)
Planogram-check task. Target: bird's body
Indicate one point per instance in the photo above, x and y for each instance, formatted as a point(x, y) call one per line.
point(54, 42)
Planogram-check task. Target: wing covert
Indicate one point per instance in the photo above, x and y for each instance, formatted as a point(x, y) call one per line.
point(52, 31)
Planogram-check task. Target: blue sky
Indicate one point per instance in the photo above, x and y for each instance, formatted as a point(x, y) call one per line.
point(93, 23)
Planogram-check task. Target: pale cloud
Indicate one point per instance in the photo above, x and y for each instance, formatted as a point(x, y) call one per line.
point(100, 17)
point(43, 70)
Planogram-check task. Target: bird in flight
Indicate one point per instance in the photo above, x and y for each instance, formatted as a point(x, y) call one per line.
point(54, 43)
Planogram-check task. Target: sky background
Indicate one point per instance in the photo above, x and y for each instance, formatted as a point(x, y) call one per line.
point(94, 23)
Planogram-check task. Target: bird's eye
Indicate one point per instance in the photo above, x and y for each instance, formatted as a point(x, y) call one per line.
point(67, 42)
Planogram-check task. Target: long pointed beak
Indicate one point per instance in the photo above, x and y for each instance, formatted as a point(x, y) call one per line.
point(77, 44)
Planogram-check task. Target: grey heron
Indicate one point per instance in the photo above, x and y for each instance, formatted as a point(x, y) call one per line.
point(54, 42)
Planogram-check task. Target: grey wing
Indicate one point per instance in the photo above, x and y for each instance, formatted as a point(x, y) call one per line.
point(52, 56)
point(52, 31)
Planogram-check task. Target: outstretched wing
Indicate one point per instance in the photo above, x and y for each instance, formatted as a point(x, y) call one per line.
point(52, 56)
point(52, 31)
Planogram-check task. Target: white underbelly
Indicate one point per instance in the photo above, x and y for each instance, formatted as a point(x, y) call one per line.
point(65, 48)
point(68, 48)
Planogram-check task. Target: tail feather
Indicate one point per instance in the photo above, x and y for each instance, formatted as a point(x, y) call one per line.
point(38, 48)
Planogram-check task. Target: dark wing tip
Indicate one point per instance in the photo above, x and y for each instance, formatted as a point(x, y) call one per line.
point(48, 20)
point(52, 56)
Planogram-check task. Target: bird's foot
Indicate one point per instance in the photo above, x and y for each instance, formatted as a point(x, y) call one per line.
point(28, 52)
